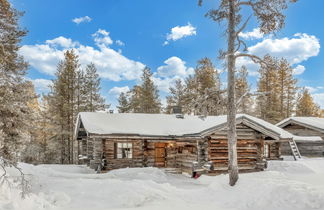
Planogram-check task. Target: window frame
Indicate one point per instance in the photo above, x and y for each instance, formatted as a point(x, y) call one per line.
point(124, 150)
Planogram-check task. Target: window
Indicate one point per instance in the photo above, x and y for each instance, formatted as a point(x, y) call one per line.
point(124, 150)
point(266, 150)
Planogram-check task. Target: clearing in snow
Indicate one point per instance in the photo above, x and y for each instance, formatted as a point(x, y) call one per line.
point(285, 185)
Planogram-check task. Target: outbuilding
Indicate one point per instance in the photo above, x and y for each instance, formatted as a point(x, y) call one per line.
point(309, 135)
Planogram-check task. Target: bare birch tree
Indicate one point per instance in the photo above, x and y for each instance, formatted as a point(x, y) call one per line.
point(270, 18)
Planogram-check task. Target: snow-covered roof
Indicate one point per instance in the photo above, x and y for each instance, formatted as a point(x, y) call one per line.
point(165, 124)
point(307, 138)
point(310, 122)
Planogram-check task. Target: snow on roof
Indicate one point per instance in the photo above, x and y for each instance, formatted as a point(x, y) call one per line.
point(162, 124)
point(314, 122)
point(308, 138)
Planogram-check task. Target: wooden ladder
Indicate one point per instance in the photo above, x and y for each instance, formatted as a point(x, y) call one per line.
point(294, 149)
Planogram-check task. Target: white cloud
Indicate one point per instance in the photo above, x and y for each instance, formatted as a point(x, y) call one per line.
point(116, 91)
point(62, 42)
point(250, 35)
point(42, 85)
point(120, 43)
point(299, 69)
point(180, 32)
point(111, 64)
point(85, 19)
point(101, 37)
point(174, 69)
point(296, 50)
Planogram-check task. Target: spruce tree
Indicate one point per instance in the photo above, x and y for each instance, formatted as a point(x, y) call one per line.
point(14, 97)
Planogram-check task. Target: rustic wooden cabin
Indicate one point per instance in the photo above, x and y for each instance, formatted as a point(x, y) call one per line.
point(309, 135)
point(182, 143)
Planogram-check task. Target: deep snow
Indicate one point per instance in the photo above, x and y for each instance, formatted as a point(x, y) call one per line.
point(285, 185)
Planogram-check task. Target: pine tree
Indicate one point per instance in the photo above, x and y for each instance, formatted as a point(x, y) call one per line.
point(123, 102)
point(287, 88)
point(145, 98)
point(269, 101)
point(203, 94)
point(306, 106)
point(177, 96)
point(14, 97)
point(63, 103)
point(94, 101)
point(277, 82)
point(242, 89)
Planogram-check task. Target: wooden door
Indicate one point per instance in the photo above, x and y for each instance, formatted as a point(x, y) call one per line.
point(160, 154)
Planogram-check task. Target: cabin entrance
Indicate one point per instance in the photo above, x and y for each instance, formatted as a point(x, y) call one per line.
point(160, 154)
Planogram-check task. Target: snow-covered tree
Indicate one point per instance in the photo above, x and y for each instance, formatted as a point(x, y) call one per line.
point(14, 97)
point(270, 18)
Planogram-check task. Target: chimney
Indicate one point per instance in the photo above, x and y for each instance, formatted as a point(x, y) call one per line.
point(176, 110)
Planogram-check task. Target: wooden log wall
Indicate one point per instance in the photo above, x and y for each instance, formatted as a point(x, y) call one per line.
point(248, 148)
point(306, 148)
point(114, 163)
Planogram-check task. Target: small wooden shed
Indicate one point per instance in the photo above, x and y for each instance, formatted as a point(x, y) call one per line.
point(176, 142)
point(309, 135)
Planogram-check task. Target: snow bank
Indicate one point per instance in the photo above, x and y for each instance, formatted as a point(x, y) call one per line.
point(286, 185)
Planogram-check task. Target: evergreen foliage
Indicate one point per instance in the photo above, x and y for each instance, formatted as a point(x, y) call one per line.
point(14, 89)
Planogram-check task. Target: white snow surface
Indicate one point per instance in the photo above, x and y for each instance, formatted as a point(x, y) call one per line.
point(316, 122)
point(307, 138)
point(285, 185)
point(162, 124)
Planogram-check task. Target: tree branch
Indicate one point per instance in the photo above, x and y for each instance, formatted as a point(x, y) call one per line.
point(254, 58)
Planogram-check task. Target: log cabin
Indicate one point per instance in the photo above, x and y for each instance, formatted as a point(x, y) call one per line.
point(178, 142)
point(309, 135)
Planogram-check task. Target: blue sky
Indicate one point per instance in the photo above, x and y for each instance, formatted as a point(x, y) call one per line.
point(169, 36)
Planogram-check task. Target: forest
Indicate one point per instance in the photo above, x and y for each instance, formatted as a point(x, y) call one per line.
point(39, 128)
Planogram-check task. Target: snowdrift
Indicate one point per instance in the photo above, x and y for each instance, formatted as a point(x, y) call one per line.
point(286, 185)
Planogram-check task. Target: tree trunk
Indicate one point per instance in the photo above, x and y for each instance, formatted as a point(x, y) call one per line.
point(231, 116)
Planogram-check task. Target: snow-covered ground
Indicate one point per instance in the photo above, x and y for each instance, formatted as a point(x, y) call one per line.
point(285, 185)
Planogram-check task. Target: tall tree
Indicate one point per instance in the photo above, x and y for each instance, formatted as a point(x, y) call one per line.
point(123, 103)
point(176, 97)
point(270, 18)
point(145, 97)
point(203, 94)
point(306, 106)
point(269, 102)
point(63, 102)
point(14, 97)
point(287, 88)
point(94, 101)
